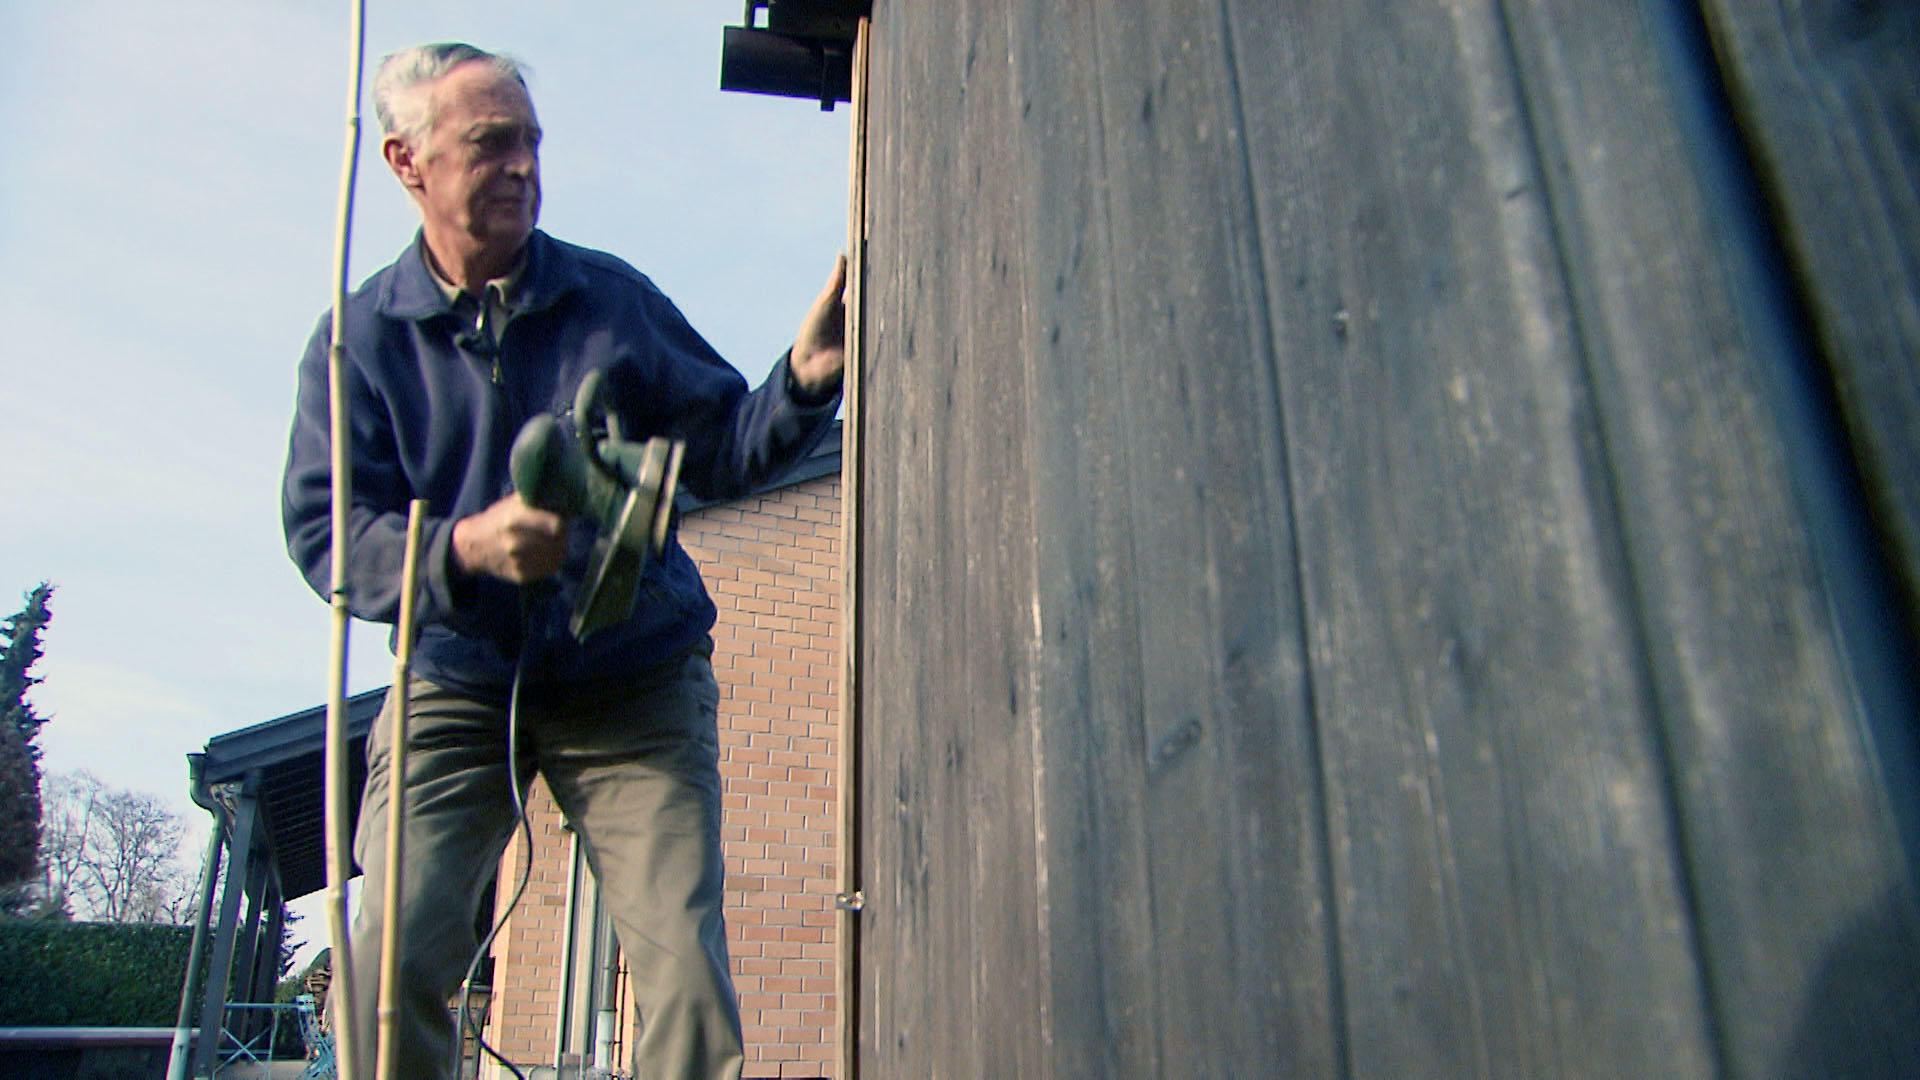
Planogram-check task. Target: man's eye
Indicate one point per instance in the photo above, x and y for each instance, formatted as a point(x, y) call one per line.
point(501, 142)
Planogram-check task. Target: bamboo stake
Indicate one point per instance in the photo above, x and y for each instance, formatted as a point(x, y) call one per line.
point(847, 914)
point(338, 823)
point(397, 796)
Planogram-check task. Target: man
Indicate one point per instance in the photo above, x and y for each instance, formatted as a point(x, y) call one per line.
point(482, 323)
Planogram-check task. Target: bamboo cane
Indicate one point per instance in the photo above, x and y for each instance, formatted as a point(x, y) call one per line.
point(397, 797)
point(339, 831)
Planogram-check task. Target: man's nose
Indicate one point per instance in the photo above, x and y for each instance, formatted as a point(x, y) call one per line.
point(524, 161)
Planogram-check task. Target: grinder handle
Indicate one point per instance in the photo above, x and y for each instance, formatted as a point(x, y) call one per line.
point(548, 472)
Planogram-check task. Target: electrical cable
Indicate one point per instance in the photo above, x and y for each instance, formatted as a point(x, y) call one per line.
point(462, 1025)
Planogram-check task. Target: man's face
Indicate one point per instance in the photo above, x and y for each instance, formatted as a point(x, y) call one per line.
point(479, 170)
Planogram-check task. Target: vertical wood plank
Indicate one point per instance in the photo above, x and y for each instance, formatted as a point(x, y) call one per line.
point(846, 968)
point(1331, 601)
point(1509, 900)
point(1827, 93)
point(1097, 903)
point(952, 898)
point(891, 929)
point(1221, 751)
point(1095, 907)
point(1792, 848)
point(985, 563)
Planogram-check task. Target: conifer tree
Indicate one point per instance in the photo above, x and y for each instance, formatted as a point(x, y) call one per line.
point(19, 728)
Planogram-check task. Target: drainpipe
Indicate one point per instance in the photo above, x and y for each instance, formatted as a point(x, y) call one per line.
point(567, 953)
point(209, 870)
point(606, 988)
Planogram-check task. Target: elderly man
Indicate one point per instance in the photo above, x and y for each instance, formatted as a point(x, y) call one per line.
point(482, 323)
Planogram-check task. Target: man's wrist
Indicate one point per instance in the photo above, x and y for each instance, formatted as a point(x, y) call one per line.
point(808, 398)
point(459, 580)
point(457, 544)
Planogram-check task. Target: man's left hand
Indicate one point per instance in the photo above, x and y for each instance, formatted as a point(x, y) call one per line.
point(820, 348)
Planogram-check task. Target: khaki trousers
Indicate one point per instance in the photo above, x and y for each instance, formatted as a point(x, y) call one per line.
point(637, 775)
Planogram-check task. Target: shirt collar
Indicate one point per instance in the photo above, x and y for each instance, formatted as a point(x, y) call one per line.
point(506, 283)
point(411, 289)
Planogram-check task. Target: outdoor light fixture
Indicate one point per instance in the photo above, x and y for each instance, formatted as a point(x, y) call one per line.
point(805, 50)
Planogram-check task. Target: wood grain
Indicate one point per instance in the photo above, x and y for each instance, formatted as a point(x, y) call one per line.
point(1827, 93)
point(1336, 599)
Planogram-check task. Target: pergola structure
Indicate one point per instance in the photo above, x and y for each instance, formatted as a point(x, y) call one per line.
point(260, 785)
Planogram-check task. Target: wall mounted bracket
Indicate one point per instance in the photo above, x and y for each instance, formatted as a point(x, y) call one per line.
point(804, 50)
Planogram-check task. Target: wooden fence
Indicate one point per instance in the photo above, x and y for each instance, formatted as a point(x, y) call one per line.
point(1388, 539)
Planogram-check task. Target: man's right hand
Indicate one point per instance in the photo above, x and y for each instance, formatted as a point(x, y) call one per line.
point(511, 540)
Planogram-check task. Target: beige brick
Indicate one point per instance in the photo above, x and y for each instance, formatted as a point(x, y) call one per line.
point(772, 565)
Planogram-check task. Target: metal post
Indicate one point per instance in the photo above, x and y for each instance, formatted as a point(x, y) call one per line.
point(239, 859)
point(569, 952)
point(266, 955)
point(606, 985)
point(203, 914)
point(246, 946)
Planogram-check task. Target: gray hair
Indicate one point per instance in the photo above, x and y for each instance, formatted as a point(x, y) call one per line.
point(398, 100)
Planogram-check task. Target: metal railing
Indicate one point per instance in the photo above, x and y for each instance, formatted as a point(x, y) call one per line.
point(256, 1034)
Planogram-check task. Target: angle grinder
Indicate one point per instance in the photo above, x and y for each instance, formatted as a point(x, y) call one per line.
point(625, 487)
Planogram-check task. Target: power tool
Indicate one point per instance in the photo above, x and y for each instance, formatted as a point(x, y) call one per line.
point(625, 487)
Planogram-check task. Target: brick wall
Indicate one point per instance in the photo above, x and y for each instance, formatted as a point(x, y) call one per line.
point(772, 563)
point(526, 956)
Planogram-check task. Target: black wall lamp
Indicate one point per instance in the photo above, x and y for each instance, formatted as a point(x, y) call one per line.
point(805, 50)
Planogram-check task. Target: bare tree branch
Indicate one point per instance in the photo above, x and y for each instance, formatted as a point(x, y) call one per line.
point(111, 853)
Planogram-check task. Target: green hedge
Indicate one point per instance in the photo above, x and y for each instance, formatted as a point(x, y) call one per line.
point(55, 974)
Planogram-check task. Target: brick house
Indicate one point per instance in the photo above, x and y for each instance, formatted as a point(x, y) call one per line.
point(772, 563)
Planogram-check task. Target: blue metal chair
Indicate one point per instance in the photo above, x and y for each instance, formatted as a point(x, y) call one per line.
point(319, 1042)
point(242, 1037)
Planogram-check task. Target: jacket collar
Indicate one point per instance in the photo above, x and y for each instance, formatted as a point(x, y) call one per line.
point(410, 291)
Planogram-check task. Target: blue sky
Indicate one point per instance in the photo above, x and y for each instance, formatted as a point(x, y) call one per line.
point(167, 201)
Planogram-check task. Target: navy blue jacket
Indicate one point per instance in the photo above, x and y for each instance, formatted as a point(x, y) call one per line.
point(433, 417)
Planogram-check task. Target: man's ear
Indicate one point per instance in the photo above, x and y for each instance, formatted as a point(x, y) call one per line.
point(402, 160)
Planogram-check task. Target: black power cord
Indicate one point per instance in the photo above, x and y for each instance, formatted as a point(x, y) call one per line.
point(529, 597)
